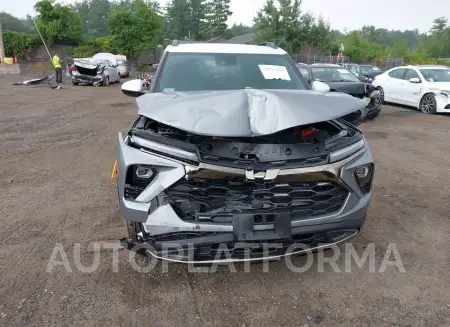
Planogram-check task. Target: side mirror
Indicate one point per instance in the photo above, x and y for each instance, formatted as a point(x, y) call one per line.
point(133, 88)
point(320, 86)
point(415, 80)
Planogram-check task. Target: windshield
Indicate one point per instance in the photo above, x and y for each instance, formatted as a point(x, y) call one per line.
point(369, 69)
point(436, 75)
point(227, 71)
point(333, 74)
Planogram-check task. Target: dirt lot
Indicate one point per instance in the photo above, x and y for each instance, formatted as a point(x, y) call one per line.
point(57, 150)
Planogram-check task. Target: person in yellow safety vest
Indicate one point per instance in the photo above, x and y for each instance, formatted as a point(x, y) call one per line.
point(58, 68)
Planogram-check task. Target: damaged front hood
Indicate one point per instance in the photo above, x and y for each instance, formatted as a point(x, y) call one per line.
point(245, 113)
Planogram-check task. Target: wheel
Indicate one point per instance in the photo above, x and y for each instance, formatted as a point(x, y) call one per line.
point(106, 81)
point(428, 104)
point(118, 79)
point(75, 83)
point(381, 94)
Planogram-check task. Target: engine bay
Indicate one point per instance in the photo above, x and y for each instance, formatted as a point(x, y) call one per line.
point(296, 147)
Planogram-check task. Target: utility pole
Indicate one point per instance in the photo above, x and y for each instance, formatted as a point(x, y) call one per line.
point(2, 48)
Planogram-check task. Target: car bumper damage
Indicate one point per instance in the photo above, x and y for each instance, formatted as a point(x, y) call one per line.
point(191, 197)
point(373, 104)
point(85, 71)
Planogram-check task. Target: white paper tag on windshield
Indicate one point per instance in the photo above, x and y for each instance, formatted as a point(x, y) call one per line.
point(274, 72)
point(343, 71)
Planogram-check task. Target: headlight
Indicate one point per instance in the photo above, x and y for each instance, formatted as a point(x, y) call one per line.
point(364, 175)
point(445, 92)
point(347, 151)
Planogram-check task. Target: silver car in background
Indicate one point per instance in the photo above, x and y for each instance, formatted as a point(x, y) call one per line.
point(122, 66)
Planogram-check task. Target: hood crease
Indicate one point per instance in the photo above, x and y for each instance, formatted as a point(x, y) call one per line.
point(247, 112)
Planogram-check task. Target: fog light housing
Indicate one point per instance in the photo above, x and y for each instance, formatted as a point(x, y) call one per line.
point(364, 177)
point(138, 178)
point(143, 172)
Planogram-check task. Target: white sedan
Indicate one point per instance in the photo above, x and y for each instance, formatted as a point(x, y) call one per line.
point(426, 88)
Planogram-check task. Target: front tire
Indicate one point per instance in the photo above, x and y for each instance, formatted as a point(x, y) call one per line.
point(381, 94)
point(106, 81)
point(75, 83)
point(428, 104)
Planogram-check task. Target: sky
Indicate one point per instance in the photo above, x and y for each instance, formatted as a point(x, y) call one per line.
point(341, 14)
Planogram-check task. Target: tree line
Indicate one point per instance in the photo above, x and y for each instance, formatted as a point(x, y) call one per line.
point(135, 26)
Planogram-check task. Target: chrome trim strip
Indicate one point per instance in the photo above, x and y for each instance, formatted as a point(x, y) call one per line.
point(223, 261)
point(163, 148)
point(344, 152)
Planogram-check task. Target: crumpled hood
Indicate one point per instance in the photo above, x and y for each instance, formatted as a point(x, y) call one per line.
point(245, 113)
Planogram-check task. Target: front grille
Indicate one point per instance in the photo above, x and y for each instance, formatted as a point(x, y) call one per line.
point(217, 200)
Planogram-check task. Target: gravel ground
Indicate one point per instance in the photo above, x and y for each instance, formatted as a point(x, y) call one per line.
point(57, 150)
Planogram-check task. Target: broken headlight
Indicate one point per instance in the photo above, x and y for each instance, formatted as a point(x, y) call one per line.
point(137, 179)
point(364, 176)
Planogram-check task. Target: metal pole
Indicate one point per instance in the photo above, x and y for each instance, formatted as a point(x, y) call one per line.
point(2, 48)
point(45, 45)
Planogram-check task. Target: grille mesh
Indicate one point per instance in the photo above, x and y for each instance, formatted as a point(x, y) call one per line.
point(218, 199)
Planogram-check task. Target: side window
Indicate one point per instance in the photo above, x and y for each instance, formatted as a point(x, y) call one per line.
point(410, 73)
point(397, 73)
point(304, 72)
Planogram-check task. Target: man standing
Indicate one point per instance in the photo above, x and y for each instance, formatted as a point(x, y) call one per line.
point(58, 69)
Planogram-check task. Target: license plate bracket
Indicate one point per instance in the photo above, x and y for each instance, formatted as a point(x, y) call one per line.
point(244, 228)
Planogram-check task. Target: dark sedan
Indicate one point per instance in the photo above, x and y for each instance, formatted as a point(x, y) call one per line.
point(340, 79)
point(366, 73)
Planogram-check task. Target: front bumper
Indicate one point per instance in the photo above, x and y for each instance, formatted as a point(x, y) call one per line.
point(442, 103)
point(170, 236)
point(373, 104)
point(81, 78)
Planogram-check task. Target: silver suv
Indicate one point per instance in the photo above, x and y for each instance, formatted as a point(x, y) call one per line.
point(235, 157)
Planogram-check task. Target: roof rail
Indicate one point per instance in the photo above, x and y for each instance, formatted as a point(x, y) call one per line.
point(268, 44)
point(175, 43)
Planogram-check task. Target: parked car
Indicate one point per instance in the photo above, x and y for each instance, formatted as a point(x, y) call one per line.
point(233, 152)
point(348, 65)
point(366, 73)
point(122, 66)
point(426, 87)
point(92, 71)
point(340, 79)
point(106, 56)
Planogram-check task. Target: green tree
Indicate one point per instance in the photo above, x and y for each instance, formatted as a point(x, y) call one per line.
point(19, 44)
point(282, 22)
point(320, 36)
point(219, 16)
point(196, 18)
point(399, 49)
point(94, 14)
point(135, 31)
point(439, 25)
point(58, 23)
point(11, 23)
point(178, 19)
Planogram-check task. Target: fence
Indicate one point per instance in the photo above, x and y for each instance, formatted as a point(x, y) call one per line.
point(384, 63)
